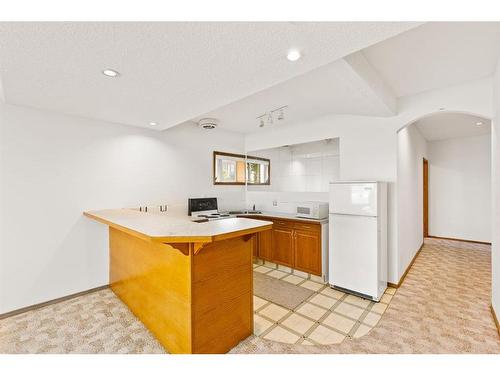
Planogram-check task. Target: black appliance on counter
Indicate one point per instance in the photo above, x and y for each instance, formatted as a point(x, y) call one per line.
point(205, 208)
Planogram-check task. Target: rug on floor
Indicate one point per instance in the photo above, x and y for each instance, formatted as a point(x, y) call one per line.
point(279, 292)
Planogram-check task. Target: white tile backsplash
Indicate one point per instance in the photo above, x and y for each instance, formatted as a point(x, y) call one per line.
point(313, 183)
point(331, 165)
point(287, 201)
point(314, 166)
point(307, 167)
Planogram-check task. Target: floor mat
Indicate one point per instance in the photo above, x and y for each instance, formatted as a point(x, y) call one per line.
point(279, 292)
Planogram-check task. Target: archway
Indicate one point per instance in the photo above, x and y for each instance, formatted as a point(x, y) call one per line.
point(449, 198)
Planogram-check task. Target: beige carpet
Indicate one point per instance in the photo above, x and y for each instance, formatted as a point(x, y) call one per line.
point(279, 292)
point(442, 307)
point(94, 323)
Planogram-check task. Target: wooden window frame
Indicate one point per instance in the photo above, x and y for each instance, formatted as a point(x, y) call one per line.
point(245, 157)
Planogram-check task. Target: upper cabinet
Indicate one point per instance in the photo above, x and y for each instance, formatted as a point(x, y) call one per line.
point(238, 169)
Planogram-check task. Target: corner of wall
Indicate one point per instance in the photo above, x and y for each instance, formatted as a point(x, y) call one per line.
point(495, 191)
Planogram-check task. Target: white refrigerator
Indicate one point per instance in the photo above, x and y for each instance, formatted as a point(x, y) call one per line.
point(358, 238)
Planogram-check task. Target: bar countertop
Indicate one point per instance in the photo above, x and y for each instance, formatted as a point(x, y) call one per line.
point(164, 227)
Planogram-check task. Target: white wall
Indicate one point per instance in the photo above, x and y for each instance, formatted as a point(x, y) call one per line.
point(54, 167)
point(460, 188)
point(495, 186)
point(412, 149)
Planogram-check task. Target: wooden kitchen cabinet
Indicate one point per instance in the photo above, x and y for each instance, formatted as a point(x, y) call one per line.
point(265, 245)
point(293, 243)
point(255, 245)
point(307, 251)
point(283, 245)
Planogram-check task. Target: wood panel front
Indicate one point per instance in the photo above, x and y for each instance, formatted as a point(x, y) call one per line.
point(282, 244)
point(307, 251)
point(192, 301)
point(222, 295)
point(154, 281)
point(292, 242)
point(313, 227)
point(255, 246)
point(266, 245)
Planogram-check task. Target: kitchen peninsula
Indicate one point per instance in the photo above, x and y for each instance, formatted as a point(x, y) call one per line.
point(189, 283)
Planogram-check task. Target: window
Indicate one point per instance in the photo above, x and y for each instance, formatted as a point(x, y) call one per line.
point(258, 171)
point(229, 169)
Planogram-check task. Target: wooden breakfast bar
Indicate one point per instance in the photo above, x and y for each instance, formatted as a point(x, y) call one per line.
point(190, 283)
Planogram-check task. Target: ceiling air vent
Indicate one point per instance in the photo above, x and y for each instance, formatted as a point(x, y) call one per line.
point(208, 123)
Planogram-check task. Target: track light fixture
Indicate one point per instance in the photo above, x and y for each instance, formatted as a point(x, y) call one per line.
point(268, 117)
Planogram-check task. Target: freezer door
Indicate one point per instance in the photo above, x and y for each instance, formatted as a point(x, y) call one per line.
point(353, 198)
point(353, 253)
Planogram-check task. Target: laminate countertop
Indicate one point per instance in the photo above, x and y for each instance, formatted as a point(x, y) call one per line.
point(164, 227)
point(283, 215)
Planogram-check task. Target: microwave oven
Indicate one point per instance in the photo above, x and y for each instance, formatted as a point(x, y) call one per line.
point(312, 210)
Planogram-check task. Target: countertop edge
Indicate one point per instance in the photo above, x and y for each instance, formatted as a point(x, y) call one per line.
point(180, 239)
point(284, 217)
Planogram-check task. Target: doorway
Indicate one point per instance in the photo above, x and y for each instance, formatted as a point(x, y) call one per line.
point(426, 197)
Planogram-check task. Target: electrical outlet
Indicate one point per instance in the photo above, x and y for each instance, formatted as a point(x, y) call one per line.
point(275, 203)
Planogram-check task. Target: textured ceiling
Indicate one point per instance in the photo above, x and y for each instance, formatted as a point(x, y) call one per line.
point(452, 125)
point(334, 88)
point(427, 57)
point(436, 55)
point(170, 71)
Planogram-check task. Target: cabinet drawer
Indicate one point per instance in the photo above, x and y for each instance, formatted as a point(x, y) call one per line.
point(282, 223)
point(306, 226)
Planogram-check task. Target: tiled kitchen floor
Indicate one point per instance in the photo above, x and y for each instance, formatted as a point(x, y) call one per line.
point(327, 317)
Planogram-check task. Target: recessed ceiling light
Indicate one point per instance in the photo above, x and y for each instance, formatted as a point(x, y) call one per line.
point(152, 123)
point(479, 123)
point(110, 73)
point(293, 55)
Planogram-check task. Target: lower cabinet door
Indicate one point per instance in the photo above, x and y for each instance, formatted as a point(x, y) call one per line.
point(283, 246)
point(255, 247)
point(265, 245)
point(307, 251)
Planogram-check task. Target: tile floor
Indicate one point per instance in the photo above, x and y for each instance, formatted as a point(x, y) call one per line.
point(327, 317)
